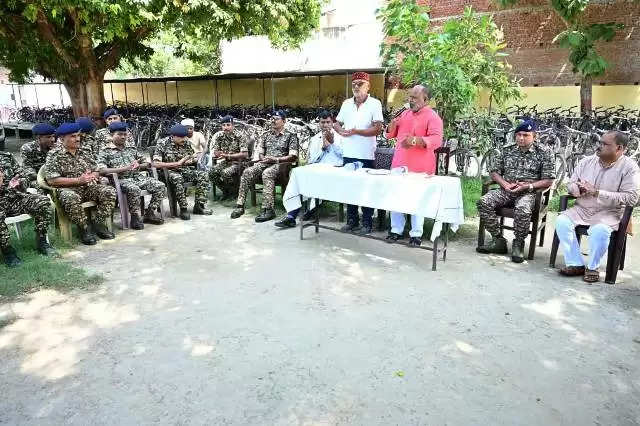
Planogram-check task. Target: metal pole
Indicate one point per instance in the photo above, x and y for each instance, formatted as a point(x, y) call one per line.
point(20, 94)
point(126, 98)
point(273, 98)
point(319, 92)
point(231, 91)
point(217, 95)
point(111, 88)
point(35, 90)
point(13, 90)
point(166, 97)
point(142, 88)
point(177, 93)
point(264, 95)
point(62, 97)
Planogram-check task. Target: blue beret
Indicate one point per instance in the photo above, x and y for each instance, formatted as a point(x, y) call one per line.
point(43, 129)
point(227, 119)
point(67, 128)
point(110, 112)
point(178, 130)
point(86, 124)
point(527, 126)
point(117, 126)
point(280, 113)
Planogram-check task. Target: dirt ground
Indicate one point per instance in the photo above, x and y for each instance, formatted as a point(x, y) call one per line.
point(223, 322)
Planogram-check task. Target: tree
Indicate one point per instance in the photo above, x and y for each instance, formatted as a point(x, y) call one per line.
point(77, 41)
point(456, 60)
point(580, 38)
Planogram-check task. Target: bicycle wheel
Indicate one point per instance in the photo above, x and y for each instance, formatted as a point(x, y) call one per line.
point(488, 160)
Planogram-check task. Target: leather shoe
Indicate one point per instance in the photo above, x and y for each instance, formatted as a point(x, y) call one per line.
point(517, 248)
point(152, 218)
point(184, 214)
point(267, 214)
point(415, 242)
point(201, 209)
point(350, 227)
point(87, 237)
point(102, 232)
point(365, 230)
point(237, 212)
point(286, 222)
point(496, 246)
point(11, 259)
point(136, 223)
point(393, 237)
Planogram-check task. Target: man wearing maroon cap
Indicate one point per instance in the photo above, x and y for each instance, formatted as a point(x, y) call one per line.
point(359, 122)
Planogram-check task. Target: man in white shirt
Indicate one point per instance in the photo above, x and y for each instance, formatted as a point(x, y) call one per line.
point(359, 122)
point(324, 148)
point(196, 139)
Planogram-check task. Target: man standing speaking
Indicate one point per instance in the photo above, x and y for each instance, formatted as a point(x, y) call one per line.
point(359, 122)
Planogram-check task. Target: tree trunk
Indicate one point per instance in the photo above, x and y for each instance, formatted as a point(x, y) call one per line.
point(586, 85)
point(87, 97)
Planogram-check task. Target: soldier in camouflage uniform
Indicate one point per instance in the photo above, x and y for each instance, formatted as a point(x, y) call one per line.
point(34, 153)
point(72, 171)
point(175, 154)
point(87, 138)
point(231, 149)
point(520, 170)
point(14, 201)
point(276, 146)
point(103, 136)
point(127, 162)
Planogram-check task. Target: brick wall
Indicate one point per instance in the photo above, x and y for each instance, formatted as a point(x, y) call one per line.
point(529, 30)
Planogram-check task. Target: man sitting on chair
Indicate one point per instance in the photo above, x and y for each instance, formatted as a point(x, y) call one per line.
point(34, 153)
point(324, 148)
point(520, 170)
point(229, 154)
point(73, 172)
point(177, 155)
point(419, 134)
point(127, 162)
point(603, 184)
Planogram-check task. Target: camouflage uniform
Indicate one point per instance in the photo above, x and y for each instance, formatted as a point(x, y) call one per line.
point(91, 144)
point(515, 165)
point(14, 202)
point(132, 182)
point(61, 163)
point(103, 138)
point(168, 152)
point(33, 158)
point(271, 145)
point(226, 174)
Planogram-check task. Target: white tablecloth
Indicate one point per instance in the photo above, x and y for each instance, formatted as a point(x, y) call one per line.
point(435, 197)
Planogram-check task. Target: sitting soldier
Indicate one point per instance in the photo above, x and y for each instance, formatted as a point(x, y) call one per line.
point(277, 146)
point(324, 148)
point(34, 153)
point(87, 139)
point(231, 151)
point(103, 137)
point(73, 173)
point(127, 162)
point(520, 170)
point(176, 155)
point(14, 201)
point(603, 183)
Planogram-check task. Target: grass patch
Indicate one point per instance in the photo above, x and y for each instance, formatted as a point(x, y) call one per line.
point(39, 271)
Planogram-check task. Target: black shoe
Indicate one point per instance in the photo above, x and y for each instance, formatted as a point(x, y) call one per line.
point(153, 218)
point(184, 214)
point(237, 212)
point(43, 246)
point(516, 251)
point(136, 223)
point(496, 246)
point(393, 237)
point(309, 215)
point(87, 237)
point(350, 227)
point(103, 232)
point(365, 230)
point(415, 242)
point(267, 214)
point(199, 208)
point(286, 222)
point(11, 259)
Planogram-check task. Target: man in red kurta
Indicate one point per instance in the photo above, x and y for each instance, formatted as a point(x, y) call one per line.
point(418, 132)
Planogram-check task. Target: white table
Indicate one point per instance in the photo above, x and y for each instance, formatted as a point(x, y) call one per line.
point(434, 197)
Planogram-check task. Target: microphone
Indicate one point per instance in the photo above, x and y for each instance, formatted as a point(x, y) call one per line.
point(403, 109)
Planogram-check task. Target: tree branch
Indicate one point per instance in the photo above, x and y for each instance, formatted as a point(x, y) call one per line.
point(111, 55)
point(45, 28)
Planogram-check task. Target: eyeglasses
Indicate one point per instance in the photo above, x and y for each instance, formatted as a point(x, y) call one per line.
point(357, 83)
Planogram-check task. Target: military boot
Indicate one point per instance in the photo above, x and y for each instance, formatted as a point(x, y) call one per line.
point(136, 222)
point(200, 208)
point(184, 214)
point(267, 214)
point(497, 245)
point(237, 212)
point(102, 232)
point(153, 218)
point(517, 247)
point(11, 259)
point(87, 237)
point(43, 246)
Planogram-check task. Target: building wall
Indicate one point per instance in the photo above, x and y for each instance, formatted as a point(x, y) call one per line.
point(530, 27)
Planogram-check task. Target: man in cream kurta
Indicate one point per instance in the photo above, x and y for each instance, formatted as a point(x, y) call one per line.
point(604, 184)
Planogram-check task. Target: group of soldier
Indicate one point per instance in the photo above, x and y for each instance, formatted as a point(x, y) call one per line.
point(74, 163)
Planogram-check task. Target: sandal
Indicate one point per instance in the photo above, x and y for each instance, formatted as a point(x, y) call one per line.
point(591, 276)
point(572, 271)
